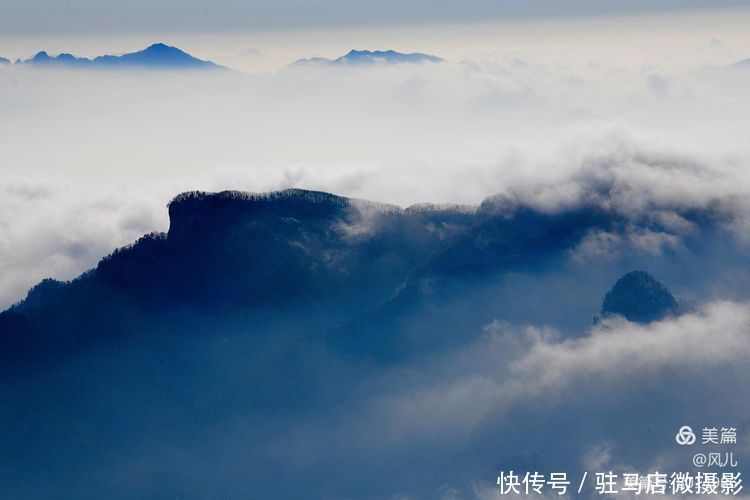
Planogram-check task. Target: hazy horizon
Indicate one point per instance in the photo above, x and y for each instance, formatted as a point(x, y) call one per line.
point(517, 101)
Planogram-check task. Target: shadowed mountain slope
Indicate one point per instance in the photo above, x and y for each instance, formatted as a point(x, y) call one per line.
point(254, 347)
point(320, 260)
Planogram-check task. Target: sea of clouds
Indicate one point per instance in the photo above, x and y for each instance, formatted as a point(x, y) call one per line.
point(91, 158)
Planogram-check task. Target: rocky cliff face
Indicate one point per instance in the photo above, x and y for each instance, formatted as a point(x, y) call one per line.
point(231, 254)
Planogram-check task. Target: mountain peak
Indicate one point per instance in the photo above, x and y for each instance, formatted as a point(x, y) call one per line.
point(155, 56)
point(640, 298)
point(163, 49)
point(389, 56)
point(355, 56)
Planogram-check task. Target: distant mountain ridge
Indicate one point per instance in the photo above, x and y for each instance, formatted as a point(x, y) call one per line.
point(372, 57)
point(155, 56)
point(162, 56)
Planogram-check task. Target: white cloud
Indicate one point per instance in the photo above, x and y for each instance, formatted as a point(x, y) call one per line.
point(545, 134)
point(52, 229)
point(718, 334)
point(251, 52)
point(454, 395)
point(603, 245)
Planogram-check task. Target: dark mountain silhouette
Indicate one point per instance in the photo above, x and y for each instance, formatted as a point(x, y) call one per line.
point(323, 256)
point(497, 242)
point(745, 64)
point(220, 357)
point(640, 298)
point(363, 266)
point(156, 56)
point(4, 60)
point(372, 57)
